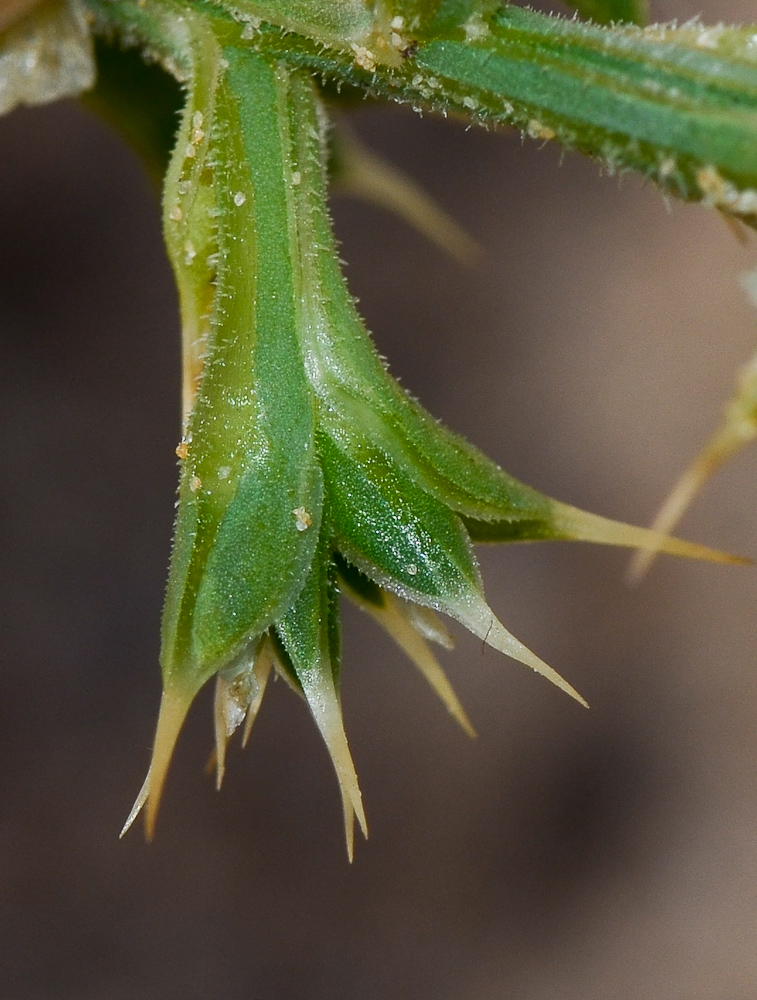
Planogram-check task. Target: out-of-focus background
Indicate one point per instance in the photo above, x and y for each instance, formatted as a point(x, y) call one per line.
point(564, 853)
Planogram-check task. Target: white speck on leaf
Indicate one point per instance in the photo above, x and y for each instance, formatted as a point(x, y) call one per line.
point(363, 57)
point(536, 130)
point(303, 520)
point(475, 28)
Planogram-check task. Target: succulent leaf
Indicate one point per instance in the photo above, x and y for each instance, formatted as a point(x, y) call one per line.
point(250, 459)
point(309, 634)
point(677, 103)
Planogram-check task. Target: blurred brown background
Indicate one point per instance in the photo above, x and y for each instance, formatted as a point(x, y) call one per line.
point(564, 854)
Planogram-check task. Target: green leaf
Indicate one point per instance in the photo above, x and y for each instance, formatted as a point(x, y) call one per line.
point(240, 555)
point(251, 489)
point(396, 533)
point(680, 105)
point(292, 411)
point(410, 543)
point(309, 633)
point(354, 390)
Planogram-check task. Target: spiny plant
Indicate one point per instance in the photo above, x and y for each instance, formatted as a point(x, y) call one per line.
point(307, 472)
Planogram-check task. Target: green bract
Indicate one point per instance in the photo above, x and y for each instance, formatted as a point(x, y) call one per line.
point(306, 470)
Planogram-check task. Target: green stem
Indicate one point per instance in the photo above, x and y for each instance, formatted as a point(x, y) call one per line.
point(678, 105)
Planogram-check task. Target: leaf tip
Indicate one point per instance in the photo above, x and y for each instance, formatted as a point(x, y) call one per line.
point(174, 706)
point(482, 621)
